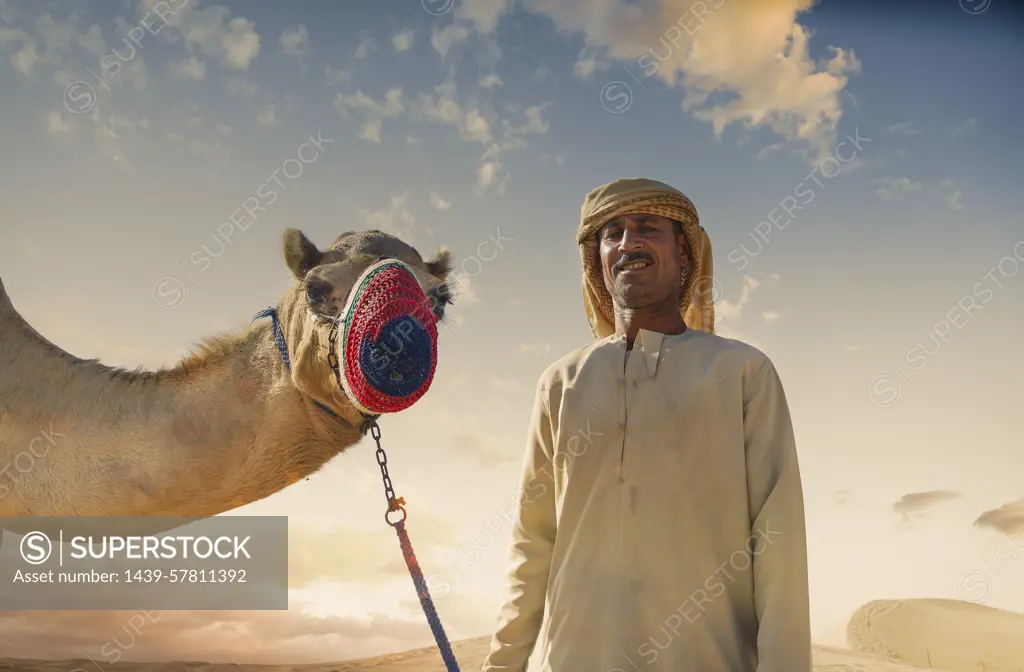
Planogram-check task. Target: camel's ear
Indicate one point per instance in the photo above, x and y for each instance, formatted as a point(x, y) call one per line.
point(299, 253)
point(441, 265)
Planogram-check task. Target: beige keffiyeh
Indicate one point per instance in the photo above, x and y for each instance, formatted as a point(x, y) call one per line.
point(636, 196)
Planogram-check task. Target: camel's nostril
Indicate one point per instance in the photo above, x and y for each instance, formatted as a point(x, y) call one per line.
point(317, 292)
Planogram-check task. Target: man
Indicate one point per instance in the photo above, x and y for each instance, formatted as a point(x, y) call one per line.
point(661, 519)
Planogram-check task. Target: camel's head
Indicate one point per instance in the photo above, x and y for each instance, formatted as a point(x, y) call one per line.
point(327, 286)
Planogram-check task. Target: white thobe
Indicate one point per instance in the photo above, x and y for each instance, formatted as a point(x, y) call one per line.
point(660, 525)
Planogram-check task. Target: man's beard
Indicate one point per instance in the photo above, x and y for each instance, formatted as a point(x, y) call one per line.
point(640, 295)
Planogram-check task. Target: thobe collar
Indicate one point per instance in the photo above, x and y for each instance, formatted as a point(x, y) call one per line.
point(648, 344)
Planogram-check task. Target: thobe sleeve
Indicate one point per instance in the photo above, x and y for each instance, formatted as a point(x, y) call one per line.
point(778, 530)
point(533, 538)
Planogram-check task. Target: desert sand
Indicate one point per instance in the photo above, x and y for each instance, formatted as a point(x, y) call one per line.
point(882, 636)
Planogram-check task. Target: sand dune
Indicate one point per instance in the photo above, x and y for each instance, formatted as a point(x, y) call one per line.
point(949, 635)
point(883, 636)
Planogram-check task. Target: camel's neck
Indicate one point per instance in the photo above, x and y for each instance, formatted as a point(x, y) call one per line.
point(222, 428)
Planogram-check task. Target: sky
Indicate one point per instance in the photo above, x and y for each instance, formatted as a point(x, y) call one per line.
point(891, 299)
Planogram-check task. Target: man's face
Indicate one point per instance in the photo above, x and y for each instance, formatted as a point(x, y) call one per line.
point(642, 257)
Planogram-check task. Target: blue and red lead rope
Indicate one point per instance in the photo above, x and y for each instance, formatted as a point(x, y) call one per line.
point(425, 600)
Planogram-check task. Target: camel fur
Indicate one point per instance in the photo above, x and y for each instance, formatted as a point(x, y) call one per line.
point(226, 426)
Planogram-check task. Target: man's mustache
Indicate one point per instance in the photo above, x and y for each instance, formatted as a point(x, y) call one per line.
point(630, 258)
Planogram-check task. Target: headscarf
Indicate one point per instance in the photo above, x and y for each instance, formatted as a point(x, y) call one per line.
point(645, 196)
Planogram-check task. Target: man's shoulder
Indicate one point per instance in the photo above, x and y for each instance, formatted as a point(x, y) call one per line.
point(564, 369)
point(732, 350)
point(754, 368)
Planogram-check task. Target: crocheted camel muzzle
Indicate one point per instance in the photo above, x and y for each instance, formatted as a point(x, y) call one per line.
point(388, 340)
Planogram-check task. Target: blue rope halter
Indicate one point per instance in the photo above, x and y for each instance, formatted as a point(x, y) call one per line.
point(394, 503)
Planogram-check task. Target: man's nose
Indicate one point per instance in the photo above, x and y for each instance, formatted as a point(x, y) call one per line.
point(631, 240)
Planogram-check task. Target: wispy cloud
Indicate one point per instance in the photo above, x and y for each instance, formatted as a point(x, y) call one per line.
point(967, 128)
point(439, 203)
point(373, 113)
point(187, 68)
point(904, 128)
point(1007, 519)
point(893, 188)
point(918, 504)
point(343, 76)
point(267, 116)
point(404, 40)
point(395, 218)
point(294, 41)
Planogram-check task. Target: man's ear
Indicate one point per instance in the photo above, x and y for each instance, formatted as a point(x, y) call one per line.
point(299, 253)
point(441, 265)
point(684, 249)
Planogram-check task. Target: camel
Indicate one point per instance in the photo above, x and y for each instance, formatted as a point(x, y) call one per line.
point(228, 425)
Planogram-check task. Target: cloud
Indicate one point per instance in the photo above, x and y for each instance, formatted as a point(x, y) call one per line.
point(589, 63)
point(967, 128)
point(209, 30)
point(267, 115)
point(558, 158)
point(476, 122)
point(543, 348)
point(187, 68)
point(404, 40)
point(491, 81)
point(541, 74)
point(443, 107)
point(373, 113)
point(769, 316)
point(294, 41)
point(23, 54)
point(395, 218)
point(733, 310)
point(241, 87)
point(1007, 519)
point(893, 188)
point(465, 290)
point(53, 44)
point(365, 47)
point(904, 128)
point(952, 195)
point(534, 125)
point(487, 175)
point(746, 62)
point(58, 125)
point(439, 203)
point(225, 637)
point(478, 18)
point(918, 503)
point(444, 39)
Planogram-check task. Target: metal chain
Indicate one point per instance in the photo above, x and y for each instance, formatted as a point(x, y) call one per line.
point(394, 503)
